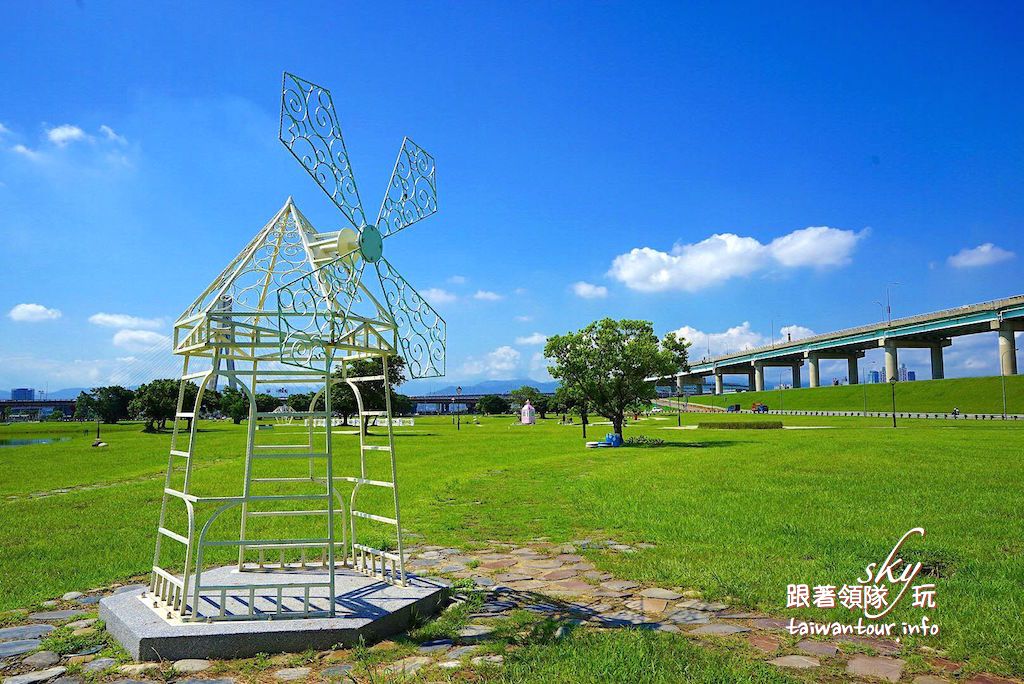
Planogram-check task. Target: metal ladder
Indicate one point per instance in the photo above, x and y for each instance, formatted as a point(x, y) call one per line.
point(164, 584)
point(367, 559)
point(327, 547)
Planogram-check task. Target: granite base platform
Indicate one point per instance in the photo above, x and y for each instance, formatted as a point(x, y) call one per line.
point(365, 608)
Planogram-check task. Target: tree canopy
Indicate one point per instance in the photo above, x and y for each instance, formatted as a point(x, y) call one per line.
point(536, 399)
point(109, 404)
point(606, 364)
point(492, 404)
point(157, 401)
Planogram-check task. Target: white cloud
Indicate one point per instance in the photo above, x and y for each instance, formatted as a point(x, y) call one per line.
point(500, 363)
point(457, 280)
point(795, 332)
point(112, 135)
point(26, 152)
point(436, 295)
point(140, 340)
point(32, 313)
point(535, 338)
point(695, 266)
point(125, 321)
point(64, 134)
point(982, 255)
point(589, 290)
point(539, 368)
point(487, 296)
point(734, 339)
point(524, 319)
point(4, 130)
point(818, 246)
point(520, 291)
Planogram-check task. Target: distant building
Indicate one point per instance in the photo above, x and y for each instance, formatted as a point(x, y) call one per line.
point(903, 373)
point(874, 377)
point(911, 375)
point(23, 394)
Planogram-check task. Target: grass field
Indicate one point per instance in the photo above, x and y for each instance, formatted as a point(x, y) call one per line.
point(971, 395)
point(736, 514)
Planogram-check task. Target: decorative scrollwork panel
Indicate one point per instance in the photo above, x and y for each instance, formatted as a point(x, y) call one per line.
point(421, 331)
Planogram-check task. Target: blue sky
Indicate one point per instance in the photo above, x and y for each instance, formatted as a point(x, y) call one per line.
point(625, 159)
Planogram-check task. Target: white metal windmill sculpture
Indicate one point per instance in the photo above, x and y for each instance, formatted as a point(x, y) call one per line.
point(296, 306)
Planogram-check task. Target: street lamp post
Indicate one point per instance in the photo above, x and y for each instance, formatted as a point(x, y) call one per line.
point(892, 382)
point(679, 409)
point(888, 302)
point(458, 410)
point(1002, 380)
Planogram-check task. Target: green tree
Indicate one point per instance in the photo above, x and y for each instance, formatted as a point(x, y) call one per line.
point(571, 400)
point(543, 405)
point(156, 402)
point(299, 401)
point(109, 404)
point(265, 403)
point(607, 363)
point(85, 407)
point(234, 404)
point(493, 404)
point(532, 394)
point(372, 392)
point(402, 405)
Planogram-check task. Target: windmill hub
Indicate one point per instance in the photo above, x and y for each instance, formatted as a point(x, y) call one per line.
point(371, 244)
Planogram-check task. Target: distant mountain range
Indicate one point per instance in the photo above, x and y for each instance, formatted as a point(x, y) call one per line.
point(496, 387)
point(485, 387)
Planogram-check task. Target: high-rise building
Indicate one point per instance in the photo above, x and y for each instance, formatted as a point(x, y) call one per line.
point(23, 394)
point(911, 375)
point(903, 372)
point(874, 377)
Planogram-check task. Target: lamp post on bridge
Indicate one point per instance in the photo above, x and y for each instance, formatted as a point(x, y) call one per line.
point(458, 410)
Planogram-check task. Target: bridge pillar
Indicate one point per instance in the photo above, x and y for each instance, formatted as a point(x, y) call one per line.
point(813, 370)
point(758, 376)
point(796, 375)
point(937, 370)
point(679, 384)
point(750, 380)
point(852, 375)
point(1007, 350)
point(719, 389)
point(892, 365)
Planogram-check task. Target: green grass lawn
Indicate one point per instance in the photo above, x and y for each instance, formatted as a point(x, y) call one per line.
point(734, 513)
point(971, 395)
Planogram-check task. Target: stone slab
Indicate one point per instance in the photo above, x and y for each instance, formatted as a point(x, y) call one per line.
point(13, 648)
point(367, 608)
point(798, 662)
point(719, 629)
point(25, 632)
point(890, 669)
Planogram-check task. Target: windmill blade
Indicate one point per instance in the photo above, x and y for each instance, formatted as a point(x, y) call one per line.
point(412, 190)
point(420, 330)
point(311, 132)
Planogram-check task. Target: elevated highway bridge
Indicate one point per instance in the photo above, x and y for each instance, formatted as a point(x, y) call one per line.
point(933, 331)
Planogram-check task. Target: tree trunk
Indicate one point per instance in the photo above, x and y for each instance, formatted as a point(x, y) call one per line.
point(617, 425)
point(583, 419)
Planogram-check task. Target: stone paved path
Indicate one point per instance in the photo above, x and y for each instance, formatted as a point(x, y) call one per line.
point(551, 580)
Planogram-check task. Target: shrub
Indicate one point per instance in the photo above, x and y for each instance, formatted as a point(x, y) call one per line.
point(643, 441)
point(743, 425)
